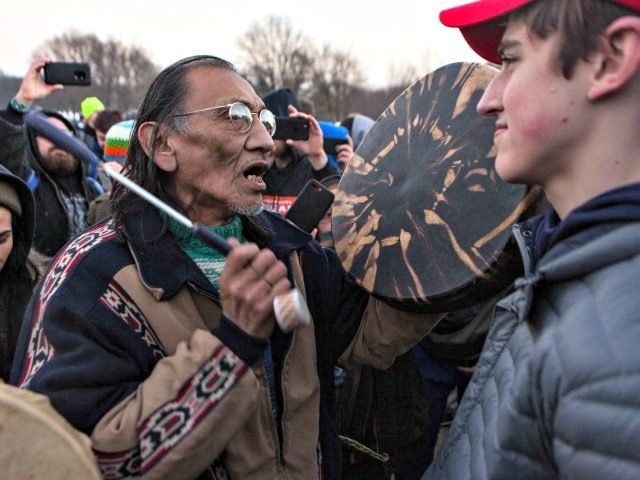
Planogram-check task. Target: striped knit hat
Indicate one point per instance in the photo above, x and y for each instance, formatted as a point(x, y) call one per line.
point(116, 142)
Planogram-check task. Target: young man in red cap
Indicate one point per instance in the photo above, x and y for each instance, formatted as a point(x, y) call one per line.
point(556, 393)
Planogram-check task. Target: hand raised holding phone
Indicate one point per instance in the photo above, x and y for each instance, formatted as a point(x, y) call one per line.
point(33, 88)
point(312, 146)
point(67, 73)
point(291, 128)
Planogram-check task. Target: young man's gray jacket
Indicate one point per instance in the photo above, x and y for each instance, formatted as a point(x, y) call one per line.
point(556, 393)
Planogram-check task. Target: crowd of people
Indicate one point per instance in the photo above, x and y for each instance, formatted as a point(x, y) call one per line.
point(166, 352)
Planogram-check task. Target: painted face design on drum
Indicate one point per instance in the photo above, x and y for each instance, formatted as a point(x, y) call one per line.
point(421, 211)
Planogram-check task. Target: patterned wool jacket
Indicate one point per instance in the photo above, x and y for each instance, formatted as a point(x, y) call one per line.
point(126, 339)
point(555, 393)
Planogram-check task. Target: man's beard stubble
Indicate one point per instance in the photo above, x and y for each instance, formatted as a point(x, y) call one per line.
point(59, 162)
point(247, 210)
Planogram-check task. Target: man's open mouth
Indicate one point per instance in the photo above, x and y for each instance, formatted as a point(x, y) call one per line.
point(255, 172)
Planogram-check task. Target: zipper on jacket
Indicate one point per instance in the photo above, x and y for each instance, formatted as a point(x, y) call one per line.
point(278, 441)
point(285, 359)
point(208, 294)
point(522, 240)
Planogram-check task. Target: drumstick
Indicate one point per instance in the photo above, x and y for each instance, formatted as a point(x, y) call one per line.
point(290, 308)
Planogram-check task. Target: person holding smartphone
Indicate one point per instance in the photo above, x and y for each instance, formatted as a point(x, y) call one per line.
point(61, 184)
point(294, 161)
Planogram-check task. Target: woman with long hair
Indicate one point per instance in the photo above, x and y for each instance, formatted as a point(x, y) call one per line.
point(18, 274)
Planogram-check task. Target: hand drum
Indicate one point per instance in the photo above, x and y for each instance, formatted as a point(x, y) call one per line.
point(421, 219)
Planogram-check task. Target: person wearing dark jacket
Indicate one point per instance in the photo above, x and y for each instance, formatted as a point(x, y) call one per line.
point(18, 274)
point(293, 162)
point(62, 185)
point(555, 391)
point(165, 351)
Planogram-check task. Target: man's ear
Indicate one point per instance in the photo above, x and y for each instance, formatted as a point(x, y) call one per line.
point(618, 57)
point(155, 141)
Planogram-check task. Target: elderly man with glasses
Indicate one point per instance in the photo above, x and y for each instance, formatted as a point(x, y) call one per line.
point(166, 352)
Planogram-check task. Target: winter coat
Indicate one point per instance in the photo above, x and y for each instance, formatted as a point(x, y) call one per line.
point(555, 393)
point(284, 184)
point(127, 340)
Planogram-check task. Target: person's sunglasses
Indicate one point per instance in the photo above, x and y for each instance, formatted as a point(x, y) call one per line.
point(241, 116)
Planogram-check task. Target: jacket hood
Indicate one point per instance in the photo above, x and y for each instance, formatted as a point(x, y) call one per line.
point(27, 219)
point(278, 101)
point(32, 136)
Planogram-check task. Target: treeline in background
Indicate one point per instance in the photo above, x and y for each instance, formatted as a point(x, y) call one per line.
point(273, 55)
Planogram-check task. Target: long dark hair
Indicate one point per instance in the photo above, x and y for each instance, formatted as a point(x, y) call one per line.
point(165, 97)
point(18, 278)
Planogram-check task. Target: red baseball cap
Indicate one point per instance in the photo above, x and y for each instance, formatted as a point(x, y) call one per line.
point(479, 22)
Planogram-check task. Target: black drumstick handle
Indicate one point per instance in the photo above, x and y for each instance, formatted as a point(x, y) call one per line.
point(212, 239)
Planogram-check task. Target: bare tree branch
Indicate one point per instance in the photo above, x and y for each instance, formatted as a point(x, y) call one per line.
point(335, 75)
point(276, 56)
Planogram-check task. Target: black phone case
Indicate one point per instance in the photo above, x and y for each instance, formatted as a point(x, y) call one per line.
point(310, 206)
point(67, 73)
point(288, 128)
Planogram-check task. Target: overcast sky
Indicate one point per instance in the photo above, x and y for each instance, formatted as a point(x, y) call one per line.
point(384, 36)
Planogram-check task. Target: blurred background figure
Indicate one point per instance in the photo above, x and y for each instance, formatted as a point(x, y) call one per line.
point(62, 185)
point(116, 146)
point(446, 358)
point(116, 143)
point(103, 122)
point(295, 162)
point(90, 108)
point(18, 274)
point(337, 144)
point(307, 106)
point(358, 126)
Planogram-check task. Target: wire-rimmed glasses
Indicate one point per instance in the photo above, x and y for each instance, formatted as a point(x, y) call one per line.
point(241, 116)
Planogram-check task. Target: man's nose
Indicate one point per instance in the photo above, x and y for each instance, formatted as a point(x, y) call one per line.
point(259, 137)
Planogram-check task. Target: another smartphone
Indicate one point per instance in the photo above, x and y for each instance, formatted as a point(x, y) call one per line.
point(310, 205)
point(67, 73)
point(291, 128)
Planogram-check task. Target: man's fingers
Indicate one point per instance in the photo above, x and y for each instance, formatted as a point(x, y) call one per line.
point(262, 261)
point(282, 286)
point(240, 256)
point(248, 264)
point(275, 274)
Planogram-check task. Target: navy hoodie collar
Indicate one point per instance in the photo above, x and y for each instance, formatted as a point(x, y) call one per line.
point(615, 206)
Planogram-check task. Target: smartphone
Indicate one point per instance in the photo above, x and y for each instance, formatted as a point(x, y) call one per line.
point(310, 205)
point(329, 145)
point(291, 128)
point(67, 73)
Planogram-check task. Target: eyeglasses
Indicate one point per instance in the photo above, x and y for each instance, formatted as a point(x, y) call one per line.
point(241, 116)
